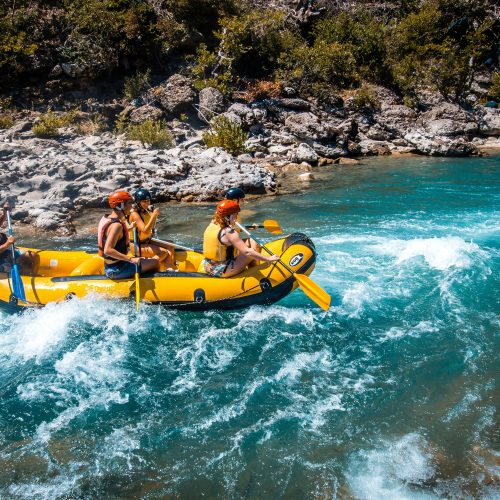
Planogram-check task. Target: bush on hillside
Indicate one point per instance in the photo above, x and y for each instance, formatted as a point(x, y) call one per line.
point(6, 121)
point(225, 134)
point(494, 90)
point(313, 70)
point(150, 132)
point(366, 98)
point(360, 34)
point(49, 123)
point(136, 84)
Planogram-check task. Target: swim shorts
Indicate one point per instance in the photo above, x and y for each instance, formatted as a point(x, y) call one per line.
point(120, 270)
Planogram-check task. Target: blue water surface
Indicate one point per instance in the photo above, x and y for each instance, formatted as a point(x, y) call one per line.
point(391, 394)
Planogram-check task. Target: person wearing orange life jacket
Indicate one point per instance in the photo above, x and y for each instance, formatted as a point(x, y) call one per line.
point(145, 219)
point(226, 254)
point(113, 240)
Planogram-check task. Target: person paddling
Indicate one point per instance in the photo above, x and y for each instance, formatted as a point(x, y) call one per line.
point(238, 195)
point(27, 260)
point(145, 217)
point(226, 254)
point(113, 240)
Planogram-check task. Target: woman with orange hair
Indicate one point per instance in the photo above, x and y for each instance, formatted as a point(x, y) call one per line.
point(226, 254)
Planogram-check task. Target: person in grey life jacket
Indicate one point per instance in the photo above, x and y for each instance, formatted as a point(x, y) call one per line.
point(113, 240)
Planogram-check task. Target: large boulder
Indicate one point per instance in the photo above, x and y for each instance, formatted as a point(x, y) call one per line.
point(303, 153)
point(307, 125)
point(143, 113)
point(489, 123)
point(211, 103)
point(439, 145)
point(394, 120)
point(176, 95)
point(447, 119)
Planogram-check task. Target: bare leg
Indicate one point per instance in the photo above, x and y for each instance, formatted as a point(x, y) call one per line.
point(149, 264)
point(238, 265)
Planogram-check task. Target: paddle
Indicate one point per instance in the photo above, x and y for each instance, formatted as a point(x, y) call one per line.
point(171, 243)
point(17, 282)
point(306, 284)
point(137, 280)
point(269, 225)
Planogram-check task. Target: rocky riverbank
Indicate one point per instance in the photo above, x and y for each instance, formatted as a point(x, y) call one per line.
point(50, 179)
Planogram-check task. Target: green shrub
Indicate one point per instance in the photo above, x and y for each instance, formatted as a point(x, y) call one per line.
point(149, 132)
point(91, 125)
point(314, 69)
point(49, 123)
point(366, 98)
point(135, 85)
point(225, 134)
point(494, 90)
point(359, 33)
point(6, 121)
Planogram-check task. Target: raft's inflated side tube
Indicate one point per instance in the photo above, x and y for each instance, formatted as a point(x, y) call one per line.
point(298, 238)
point(77, 274)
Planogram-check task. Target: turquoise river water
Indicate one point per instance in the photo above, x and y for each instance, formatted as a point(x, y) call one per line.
point(389, 395)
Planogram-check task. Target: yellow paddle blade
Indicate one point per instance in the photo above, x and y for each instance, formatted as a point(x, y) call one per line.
point(313, 291)
point(272, 226)
point(137, 292)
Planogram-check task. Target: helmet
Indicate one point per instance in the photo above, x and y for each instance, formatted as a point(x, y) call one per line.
point(142, 194)
point(225, 208)
point(235, 194)
point(118, 197)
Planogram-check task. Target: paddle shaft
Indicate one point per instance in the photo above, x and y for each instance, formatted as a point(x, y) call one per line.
point(9, 225)
point(17, 282)
point(264, 247)
point(162, 242)
point(137, 280)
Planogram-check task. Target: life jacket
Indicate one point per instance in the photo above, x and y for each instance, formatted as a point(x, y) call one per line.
point(121, 245)
point(213, 248)
point(143, 237)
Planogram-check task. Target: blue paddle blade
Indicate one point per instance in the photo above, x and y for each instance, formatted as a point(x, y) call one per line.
point(17, 283)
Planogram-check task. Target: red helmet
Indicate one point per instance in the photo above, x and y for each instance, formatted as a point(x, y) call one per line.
point(118, 197)
point(225, 208)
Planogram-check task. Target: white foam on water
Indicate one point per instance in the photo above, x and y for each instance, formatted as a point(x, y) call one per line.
point(258, 314)
point(49, 489)
point(193, 357)
point(398, 332)
point(394, 470)
point(438, 253)
point(122, 446)
point(291, 370)
point(37, 333)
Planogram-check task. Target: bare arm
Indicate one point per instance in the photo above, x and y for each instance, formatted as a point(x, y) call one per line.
point(115, 232)
point(7, 244)
point(145, 229)
point(239, 244)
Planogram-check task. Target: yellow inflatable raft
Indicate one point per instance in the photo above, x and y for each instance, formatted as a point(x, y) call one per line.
point(63, 275)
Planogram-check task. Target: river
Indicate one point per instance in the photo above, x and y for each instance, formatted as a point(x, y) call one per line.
point(391, 394)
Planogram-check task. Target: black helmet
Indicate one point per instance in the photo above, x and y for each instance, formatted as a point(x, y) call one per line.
point(235, 194)
point(142, 194)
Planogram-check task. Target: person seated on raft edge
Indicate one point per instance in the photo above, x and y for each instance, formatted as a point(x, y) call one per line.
point(113, 240)
point(220, 241)
point(26, 260)
point(145, 219)
point(238, 195)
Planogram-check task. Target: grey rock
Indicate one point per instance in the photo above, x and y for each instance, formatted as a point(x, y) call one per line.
point(211, 103)
point(490, 121)
point(304, 153)
point(143, 113)
point(306, 125)
point(292, 103)
point(176, 95)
